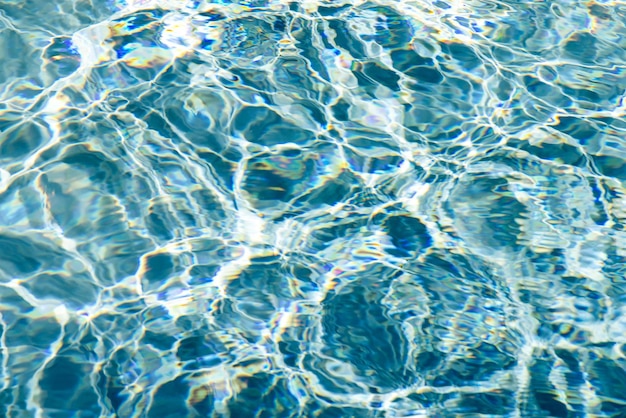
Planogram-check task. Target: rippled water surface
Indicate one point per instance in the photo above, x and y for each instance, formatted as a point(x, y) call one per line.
point(265, 208)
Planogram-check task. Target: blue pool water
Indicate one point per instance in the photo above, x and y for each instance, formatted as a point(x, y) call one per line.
point(272, 208)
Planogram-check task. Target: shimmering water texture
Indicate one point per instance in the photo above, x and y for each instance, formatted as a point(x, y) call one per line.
point(314, 209)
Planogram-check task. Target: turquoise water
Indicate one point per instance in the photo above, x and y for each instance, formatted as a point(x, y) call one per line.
point(321, 208)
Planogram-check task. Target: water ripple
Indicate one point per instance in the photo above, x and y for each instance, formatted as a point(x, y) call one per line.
point(312, 209)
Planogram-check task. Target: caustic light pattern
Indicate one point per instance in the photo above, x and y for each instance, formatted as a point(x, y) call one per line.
point(268, 208)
